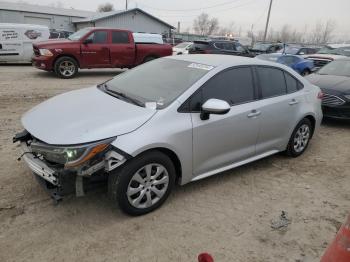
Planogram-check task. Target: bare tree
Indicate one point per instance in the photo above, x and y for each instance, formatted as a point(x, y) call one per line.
point(204, 25)
point(328, 31)
point(106, 7)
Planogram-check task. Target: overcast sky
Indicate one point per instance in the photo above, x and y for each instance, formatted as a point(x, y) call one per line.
point(244, 13)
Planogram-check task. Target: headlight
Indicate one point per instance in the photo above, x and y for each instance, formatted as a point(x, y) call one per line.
point(70, 156)
point(347, 96)
point(45, 52)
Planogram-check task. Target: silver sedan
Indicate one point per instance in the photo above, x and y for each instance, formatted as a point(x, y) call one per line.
point(172, 120)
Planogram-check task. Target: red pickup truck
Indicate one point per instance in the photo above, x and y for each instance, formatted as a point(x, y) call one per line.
point(97, 48)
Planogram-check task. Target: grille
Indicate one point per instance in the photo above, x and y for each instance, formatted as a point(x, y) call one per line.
point(331, 100)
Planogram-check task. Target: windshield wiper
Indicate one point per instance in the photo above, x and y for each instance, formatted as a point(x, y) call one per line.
point(122, 95)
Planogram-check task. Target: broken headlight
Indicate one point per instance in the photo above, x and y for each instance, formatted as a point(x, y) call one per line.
point(69, 156)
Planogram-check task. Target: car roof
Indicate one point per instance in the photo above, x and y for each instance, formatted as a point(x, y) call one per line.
point(220, 60)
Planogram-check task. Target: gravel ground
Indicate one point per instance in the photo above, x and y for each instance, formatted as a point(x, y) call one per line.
point(229, 215)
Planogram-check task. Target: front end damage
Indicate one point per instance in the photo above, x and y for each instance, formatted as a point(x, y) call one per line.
point(60, 176)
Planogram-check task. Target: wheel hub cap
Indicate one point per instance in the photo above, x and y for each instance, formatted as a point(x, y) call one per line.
point(148, 185)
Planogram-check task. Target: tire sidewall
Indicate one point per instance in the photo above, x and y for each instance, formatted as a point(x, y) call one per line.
point(119, 180)
point(61, 60)
point(290, 148)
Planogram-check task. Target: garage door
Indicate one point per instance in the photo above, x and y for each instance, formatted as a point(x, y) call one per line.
point(37, 20)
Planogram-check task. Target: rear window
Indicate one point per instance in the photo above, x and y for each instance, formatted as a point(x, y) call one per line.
point(120, 37)
point(200, 46)
point(271, 81)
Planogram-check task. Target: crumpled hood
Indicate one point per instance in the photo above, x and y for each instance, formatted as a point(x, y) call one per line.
point(331, 82)
point(83, 116)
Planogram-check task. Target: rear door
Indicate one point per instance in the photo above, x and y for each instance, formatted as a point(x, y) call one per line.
point(279, 106)
point(122, 49)
point(225, 139)
point(96, 53)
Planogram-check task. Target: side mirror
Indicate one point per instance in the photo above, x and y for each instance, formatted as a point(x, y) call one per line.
point(87, 41)
point(214, 106)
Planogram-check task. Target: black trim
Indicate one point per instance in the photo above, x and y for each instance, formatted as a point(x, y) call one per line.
point(9, 54)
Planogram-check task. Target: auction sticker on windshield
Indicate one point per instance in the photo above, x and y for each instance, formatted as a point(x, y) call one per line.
point(201, 66)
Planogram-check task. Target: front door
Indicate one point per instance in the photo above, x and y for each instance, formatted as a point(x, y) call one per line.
point(95, 51)
point(225, 139)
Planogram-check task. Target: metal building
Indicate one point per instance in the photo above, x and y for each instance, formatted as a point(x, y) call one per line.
point(54, 18)
point(135, 20)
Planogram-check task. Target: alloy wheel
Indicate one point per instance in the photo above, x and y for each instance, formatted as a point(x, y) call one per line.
point(67, 68)
point(148, 185)
point(301, 138)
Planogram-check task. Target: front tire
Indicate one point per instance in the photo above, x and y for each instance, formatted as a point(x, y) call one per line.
point(300, 138)
point(66, 67)
point(143, 184)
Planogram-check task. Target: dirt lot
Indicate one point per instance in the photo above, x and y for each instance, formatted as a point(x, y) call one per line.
point(228, 215)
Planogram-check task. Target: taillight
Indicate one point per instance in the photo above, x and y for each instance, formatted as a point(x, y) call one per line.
point(320, 95)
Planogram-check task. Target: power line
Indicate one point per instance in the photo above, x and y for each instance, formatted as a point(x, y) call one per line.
point(217, 11)
point(190, 9)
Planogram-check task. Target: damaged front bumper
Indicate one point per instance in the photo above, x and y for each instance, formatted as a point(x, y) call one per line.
point(60, 181)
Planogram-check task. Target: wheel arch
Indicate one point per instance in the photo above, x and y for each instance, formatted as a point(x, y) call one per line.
point(312, 119)
point(63, 55)
point(173, 157)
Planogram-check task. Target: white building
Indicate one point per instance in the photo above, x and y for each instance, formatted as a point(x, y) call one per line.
point(135, 19)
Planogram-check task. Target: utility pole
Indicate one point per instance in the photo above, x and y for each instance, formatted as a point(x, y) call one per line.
point(126, 4)
point(267, 21)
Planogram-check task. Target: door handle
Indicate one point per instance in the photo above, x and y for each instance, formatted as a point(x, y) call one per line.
point(254, 113)
point(293, 102)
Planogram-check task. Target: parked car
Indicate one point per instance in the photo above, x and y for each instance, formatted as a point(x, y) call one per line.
point(97, 48)
point(182, 48)
point(219, 47)
point(16, 41)
point(298, 63)
point(58, 34)
point(330, 53)
point(175, 119)
point(299, 50)
point(265, 48)
point(334, 80)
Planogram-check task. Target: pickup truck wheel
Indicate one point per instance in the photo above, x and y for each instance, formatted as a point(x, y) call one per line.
point(148, 58)
point(143, 184)
point(66, 67)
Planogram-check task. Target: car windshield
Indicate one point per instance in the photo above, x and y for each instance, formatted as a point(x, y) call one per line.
point(261, 47)
point(182, 45)
point(290, 50)
point(160, 81)
point(79, 34)
point(337, 68)
point(345, 51)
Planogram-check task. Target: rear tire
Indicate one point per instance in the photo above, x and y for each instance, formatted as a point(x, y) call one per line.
point(306, 72)
point(143, 183)
point(300, 138)
point(66, 67)
point(148, 58)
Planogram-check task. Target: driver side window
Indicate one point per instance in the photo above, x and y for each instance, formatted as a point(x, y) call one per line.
point(235, 86)
point(98, 37)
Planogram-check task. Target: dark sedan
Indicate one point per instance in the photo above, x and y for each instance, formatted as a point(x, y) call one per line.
point(334, 80)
